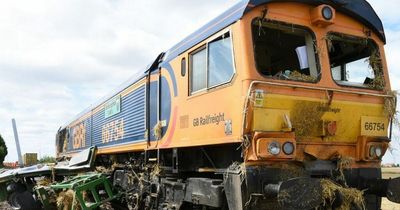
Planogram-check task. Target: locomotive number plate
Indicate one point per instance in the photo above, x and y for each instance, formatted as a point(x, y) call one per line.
point(374, 126)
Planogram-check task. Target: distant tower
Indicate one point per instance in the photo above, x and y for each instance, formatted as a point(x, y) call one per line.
point(14, 124)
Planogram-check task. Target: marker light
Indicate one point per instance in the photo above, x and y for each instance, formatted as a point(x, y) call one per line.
point(372, 152)
point(378, 152)
point(288, 148)
point(327, 13)
point(274, 148)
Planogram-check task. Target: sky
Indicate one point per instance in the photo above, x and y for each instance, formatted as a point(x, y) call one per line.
point(59, 57)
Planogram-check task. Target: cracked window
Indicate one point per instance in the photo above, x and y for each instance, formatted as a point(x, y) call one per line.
point(355, 61)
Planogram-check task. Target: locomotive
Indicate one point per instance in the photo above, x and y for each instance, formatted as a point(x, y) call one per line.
point(274, 104)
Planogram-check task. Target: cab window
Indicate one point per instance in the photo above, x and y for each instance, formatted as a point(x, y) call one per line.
point(212, 65)
point(355, 61)
point(284, 51)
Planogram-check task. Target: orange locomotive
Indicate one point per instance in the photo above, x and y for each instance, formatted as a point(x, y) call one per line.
point(273, 105)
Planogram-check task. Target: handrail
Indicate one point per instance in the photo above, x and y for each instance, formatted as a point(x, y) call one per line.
point(322, 89)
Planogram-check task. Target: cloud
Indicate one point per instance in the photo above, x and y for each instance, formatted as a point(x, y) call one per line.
point(392, 56)
point(388, 11)
point(58, 57)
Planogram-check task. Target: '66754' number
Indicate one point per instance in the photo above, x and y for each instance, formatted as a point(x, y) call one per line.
point(369, 126)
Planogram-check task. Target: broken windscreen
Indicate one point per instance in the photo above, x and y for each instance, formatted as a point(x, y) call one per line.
point(284, 51)
point(355, 61)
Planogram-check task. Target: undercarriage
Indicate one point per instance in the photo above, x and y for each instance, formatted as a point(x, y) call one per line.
point(140, 181)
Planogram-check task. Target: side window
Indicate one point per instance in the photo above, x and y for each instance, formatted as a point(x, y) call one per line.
point(220, 62)
point(183, 67)
point(213, 64)
point(198, 66)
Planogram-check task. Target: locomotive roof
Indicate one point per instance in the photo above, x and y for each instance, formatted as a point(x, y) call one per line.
point(361, 10)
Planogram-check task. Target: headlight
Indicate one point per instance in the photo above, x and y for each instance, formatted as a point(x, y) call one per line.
point(288, 148)
point(372, 151)
point(378, 152)
point(274, 148)
point(327, 13)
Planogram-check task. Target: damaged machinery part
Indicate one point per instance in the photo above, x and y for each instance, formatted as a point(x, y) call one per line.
point(175, 192)
point(307, 193)
point(204, 191)
point(256, 188)
point(198, 191)
point(133, 187)
point(20, 198)
point(298, 193)
point(148, 187)
point(389, 188)
point(233, 185)
point(19, 182)
point(81, 184)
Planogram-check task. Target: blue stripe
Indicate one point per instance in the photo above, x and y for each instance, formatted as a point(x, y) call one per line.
point(133, 112)
point(172, 75)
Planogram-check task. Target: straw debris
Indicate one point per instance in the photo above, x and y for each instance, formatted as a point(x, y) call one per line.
point(378, 83)
point(158, 130)
point(106, 206)
point(375, 61)
point(65, 200)
point(351, 196)
point(328, 38)
point(45, 182)
point(307, 118)
point(343, 163)
point(390, 107)
point(156, 171)
point(390, 104)
point(297, 76)
point(103, 170)
point(283, 196)
point(65, 145)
